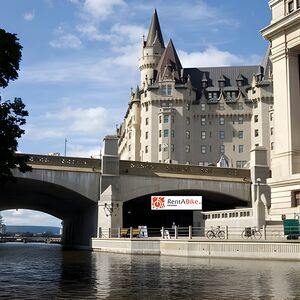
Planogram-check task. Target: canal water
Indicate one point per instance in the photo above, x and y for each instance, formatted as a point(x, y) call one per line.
point(41, 271)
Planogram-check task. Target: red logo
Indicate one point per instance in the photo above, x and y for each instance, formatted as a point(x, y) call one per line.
point(157, 202)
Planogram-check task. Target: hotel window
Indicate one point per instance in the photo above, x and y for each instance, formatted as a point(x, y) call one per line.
point(203, 106)
point(173, 119)
point(240, 106)
point(187, 134)
point(146, 135)
point(187, 148)
point(147, 107)
point(159, 119)
point(240, 120)
point(255, 118)
point(233, 133)
point(222, 149)
point(221, 135)
point(169, 89)
point(241, 134)
point(233, 147)
point(203, 121)
point(147, 121)
point(172, 148)
point(159, 147)
point(255, 104)
point(188, 106)
point(203, 149)
point(239, 164)
point(166, 119)
point(188, 121)
point(272, 146)
point(172, 133)
point(203, 135)
point(221, 120)
point(296, 199)
point(163, 90)
point(166, 132)
point(271, 116)
point(146, 149)
point(221, 106)
point(290, 6)
point(256, 132)
point(272, 130)
point(298, 3)
point(241, 148)
point(159, 133)
point(129, 147)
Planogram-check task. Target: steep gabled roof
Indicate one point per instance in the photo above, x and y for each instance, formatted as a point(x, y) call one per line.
point(169, 60)
point(154, 31)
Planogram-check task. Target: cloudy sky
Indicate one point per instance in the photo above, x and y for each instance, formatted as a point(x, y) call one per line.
point(80, 60)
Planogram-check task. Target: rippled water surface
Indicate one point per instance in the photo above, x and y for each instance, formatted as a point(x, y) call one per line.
point(40, 271)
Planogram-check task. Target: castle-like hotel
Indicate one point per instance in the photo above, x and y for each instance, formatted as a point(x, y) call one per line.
point(238, 117)
point(199, 116)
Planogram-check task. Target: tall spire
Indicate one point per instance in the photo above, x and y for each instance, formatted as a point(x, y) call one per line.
point(154, 31)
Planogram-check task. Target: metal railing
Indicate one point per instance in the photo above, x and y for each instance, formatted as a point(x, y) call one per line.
point(266, 233)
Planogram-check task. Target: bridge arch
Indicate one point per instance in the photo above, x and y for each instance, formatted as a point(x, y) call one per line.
point(54, 199)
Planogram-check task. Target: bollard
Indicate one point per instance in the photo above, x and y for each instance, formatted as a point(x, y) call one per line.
point(163, 232)
point(130, 233)
point(119, 232)
point(176, 232)
point(190, 232)
point(226, 232)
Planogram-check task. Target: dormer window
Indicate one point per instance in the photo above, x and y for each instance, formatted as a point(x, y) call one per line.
point(212, 95)
point(222, 81)
point(230, 96)
point(166, 90)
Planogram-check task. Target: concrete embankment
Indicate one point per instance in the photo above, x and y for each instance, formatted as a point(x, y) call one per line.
point(289, 250)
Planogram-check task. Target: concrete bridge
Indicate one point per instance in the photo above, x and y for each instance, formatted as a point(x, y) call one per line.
point(91, 193)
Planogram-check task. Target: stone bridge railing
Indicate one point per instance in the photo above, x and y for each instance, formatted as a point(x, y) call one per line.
point(152, 169)
point(64, 161)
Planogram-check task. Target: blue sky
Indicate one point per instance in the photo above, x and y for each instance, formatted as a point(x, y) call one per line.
point(80, 58)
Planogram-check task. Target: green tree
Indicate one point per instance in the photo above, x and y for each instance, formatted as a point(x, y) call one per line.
point(10, 57)
point(12, 113)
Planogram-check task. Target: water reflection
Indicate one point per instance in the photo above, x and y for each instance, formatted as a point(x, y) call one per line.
point(39, 271)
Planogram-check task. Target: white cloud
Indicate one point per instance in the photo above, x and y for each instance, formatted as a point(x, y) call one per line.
point(66, 41)
point(101, 8)
point(29, 16)
point(212, 57)
point(92, 33)
point(132, 32)
point(29, 217)
point(85, 121)
point(41, 133)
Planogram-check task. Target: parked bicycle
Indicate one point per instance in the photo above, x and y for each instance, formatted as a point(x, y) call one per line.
point(251, 232)
point(214, 233)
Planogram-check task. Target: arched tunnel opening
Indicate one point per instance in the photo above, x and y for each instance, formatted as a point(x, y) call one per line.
point(137, 212)
point(78, 213)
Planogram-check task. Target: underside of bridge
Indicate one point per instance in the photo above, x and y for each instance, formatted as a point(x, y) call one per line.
point(138, 211)
point(76, 211)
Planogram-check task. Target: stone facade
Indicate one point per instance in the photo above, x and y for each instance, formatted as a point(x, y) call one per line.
point(199, 116)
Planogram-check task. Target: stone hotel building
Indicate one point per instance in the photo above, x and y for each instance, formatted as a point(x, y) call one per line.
point(200, 116)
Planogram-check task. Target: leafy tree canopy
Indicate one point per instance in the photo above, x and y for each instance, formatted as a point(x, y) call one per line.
point(10, 57)
point(12, 113)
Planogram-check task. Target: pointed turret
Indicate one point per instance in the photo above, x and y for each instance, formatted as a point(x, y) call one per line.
point(169, 63)
point(154, 32)
point(152, 50)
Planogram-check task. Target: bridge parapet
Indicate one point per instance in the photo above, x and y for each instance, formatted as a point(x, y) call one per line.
point(154, 169)
point(63, 161)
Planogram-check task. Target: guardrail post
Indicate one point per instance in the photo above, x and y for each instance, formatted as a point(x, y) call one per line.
point(130, 233)
point(163, 232)
point(264, 234)
point(109, 232)
point(190, 232)
point(226, 232)
point(176, 232)
point(119, 232)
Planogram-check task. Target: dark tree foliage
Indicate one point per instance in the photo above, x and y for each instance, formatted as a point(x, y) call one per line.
point(10, 57)
point(12, 116)
point(12, 113)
